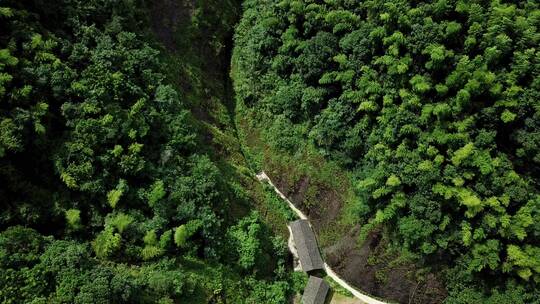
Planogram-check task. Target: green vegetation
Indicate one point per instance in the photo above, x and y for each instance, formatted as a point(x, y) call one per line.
point(110, 193)
point(124, 177)
point(433, 108)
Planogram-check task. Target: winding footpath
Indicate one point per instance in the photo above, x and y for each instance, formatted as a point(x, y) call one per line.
point(262, 177)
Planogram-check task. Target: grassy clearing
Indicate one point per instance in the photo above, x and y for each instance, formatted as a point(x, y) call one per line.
point(337, 289)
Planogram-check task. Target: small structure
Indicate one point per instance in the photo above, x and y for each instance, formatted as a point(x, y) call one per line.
point(306, 246)
point(315, 291)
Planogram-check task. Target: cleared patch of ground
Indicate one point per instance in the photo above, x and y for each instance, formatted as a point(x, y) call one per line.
point(334, 298)
point(340, 299)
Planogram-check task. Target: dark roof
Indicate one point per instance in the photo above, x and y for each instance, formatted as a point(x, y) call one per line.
point(306, 245)
point(315, 291)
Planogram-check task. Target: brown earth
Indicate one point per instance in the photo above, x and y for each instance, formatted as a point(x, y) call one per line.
point(356, 263)
point(333, 298)
point(321, 215)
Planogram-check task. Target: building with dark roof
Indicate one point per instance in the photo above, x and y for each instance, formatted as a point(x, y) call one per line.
point(316, 291)
point(306, 246)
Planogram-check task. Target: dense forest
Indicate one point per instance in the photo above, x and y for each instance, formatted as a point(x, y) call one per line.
point(109, 192)
point(433, 108)
point(131, 132)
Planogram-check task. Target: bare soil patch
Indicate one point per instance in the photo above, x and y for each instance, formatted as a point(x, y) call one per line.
point(339, 299)
point(303, 196)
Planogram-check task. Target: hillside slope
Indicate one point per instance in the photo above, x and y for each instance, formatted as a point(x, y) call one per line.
point(122, 181)
point(409, 131)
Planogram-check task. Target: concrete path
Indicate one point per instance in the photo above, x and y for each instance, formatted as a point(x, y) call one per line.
point(365, 298)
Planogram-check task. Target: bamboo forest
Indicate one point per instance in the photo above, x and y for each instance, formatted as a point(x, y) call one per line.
point(270, 151)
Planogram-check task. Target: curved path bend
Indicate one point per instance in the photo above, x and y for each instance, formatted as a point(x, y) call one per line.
point(363, 297)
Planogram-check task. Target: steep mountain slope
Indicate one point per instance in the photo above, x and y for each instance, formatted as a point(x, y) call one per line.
point(409, 129)
point(116, 186)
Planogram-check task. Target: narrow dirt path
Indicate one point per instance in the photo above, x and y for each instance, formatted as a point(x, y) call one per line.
point(262, 177)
